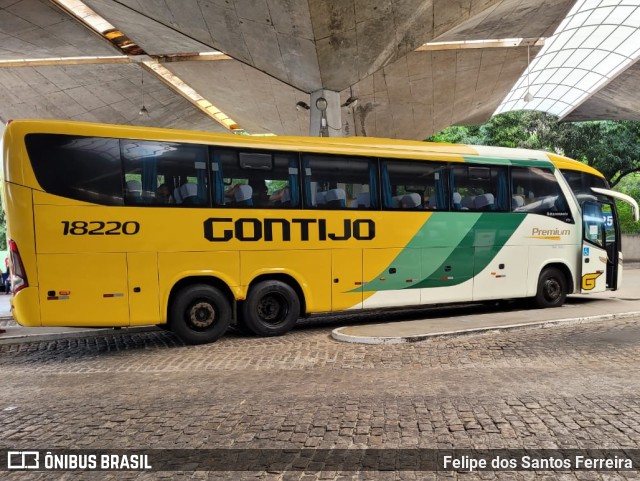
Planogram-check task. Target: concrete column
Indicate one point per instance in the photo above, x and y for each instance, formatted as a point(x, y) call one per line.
point(328, 122)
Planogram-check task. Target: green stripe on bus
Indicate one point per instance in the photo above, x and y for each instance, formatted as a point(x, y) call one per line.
point(440, 235)
point(475, 251)
point(474, 239)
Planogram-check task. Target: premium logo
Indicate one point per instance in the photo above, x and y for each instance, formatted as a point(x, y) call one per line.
point(548, 234)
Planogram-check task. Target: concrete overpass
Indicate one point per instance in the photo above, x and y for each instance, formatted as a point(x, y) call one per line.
point(386, 68)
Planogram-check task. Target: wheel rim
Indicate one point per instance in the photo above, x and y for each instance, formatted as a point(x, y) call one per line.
point(273, 309)
point(552, 289)
point(201, 315)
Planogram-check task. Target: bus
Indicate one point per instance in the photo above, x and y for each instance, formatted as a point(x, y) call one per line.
point(114, 226)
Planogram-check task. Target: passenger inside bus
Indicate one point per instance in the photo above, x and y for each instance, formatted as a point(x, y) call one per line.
point(163, 194)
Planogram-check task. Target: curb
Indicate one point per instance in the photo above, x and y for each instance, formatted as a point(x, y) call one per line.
point(339, 336)
point(107, 331)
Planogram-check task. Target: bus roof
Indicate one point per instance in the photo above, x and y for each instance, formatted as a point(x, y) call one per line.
point(366, 146)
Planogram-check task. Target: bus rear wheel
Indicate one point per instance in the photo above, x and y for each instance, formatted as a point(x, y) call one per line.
point(199, 314)
point(271, 309)
point(552, 288)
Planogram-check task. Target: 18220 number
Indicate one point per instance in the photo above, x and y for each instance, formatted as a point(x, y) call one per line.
point(96, 227)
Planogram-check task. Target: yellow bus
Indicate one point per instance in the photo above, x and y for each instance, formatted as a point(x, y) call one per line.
point(121, 226)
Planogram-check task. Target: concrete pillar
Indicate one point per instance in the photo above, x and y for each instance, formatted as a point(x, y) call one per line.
point(328, 122)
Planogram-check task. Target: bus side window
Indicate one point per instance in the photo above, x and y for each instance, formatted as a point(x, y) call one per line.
point(414, 185)
point(536, 190)
point(336, 182)
point(169, 173)
point(479, 188)
point(82, 168)
point(257, 179)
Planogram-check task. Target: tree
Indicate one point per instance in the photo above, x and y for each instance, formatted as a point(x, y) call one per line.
point(630, 185)
point(612, 147)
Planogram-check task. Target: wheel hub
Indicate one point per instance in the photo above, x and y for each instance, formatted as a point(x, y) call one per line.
point(270, 309)
point(202, 315)
point(552, 289)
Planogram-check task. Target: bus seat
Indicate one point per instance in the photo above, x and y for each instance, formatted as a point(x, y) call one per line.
point(243, 195)
point(189, 194)
point(177, 196)
point(363, 200)
point(353, 204)
point(321, 198)
point(517, 201)
point(134, 191)
point(395, 201)
point(411, 201)
point(433, 204)
point(484, 202)
point(467, 202)
point(457, 201)
point(336, 198)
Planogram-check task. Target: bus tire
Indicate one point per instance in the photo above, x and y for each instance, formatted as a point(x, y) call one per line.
point(552, 288)
point(199, 314)
point(271, 309)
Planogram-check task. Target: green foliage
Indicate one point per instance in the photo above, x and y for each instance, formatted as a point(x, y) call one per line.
point(458, 135)
point(274, 186)
point(630, 185)
point(612, 147)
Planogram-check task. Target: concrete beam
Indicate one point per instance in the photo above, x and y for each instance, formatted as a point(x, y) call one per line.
point(258, 102)
point(323, 44)
point(95, 93)
point(36, 29)
point(429, 90)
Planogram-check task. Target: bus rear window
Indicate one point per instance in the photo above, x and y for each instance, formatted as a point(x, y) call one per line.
point(81, 168)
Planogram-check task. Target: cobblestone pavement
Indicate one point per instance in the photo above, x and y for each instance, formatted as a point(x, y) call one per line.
point(562, 387)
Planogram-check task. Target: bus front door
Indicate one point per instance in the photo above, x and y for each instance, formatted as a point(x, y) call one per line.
point(612, 244)
point(595, 258)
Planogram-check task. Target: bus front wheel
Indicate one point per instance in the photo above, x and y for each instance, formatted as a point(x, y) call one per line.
point(199, 314)
point(271, 309)
point(552, 288)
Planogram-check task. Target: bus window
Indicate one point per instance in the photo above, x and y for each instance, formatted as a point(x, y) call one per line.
point(479, 188)
point(81, 168)
point(581, 182)
point(594, 224)
point(414, 185)
point(536, 190)
point(152, 168)
point(255, 179)
point(339, 182)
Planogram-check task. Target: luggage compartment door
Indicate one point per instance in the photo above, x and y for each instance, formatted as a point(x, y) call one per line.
point(83, 289)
